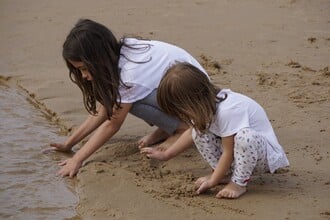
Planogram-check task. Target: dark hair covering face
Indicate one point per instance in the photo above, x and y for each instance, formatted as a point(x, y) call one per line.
point(96, 46)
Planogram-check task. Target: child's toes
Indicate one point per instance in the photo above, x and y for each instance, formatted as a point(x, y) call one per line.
point(231, 191)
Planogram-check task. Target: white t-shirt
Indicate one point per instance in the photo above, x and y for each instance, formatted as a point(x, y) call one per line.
point(238, 111)
point(143, 67)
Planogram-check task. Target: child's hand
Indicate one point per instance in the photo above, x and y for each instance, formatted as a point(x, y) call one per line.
point(60, 147)
point(204, 186)
point(70, 167)
point(202, 179)
point(153, 153)
point(57, 147)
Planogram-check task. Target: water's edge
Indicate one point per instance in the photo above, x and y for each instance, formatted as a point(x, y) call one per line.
point(29, 187)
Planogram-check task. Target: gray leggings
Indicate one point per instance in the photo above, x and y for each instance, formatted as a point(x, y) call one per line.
point(250, 154)
point(148, 110)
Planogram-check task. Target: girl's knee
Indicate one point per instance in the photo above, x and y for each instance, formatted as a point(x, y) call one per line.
point(244, 132)
point(243, 137)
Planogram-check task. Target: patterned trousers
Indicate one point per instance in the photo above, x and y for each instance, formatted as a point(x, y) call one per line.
point(250, 153)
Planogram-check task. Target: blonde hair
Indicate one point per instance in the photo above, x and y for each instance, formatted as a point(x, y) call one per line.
point(187, 93)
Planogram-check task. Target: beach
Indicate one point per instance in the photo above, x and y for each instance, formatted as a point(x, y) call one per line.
point(276, 52)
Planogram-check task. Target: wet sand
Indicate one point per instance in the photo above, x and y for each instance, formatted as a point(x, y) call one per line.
point(28, 187)
point(276, 52)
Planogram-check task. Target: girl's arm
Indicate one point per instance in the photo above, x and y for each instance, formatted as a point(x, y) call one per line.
point(223, 165)
point(105, 131)
point(184, 142)
point(88, 126)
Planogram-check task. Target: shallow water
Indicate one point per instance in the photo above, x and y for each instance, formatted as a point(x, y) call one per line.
point(29, 187)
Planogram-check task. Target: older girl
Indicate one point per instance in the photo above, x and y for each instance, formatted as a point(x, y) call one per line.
point(123, 77)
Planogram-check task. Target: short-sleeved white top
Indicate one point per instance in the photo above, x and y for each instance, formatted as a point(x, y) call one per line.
point(238, 111)
point(144, 65)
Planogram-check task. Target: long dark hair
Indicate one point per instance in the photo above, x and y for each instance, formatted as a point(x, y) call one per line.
point(186, 92)
point(96, 46)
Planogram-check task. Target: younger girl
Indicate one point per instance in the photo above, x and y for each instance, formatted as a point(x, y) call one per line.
point(230, 130)
point(123, 77)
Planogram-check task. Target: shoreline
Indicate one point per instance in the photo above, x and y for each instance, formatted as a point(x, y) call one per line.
point(275, 52)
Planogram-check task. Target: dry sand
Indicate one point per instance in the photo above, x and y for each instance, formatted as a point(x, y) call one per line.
point(276, 52)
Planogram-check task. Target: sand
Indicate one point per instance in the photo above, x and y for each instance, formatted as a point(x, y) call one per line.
point(276, 52)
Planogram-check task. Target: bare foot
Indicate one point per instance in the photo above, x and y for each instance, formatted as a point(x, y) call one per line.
point(168, 142)
point(155, 137)
point(159, 135)
point(173, 138)
point(231, 191)
point(225, 180)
